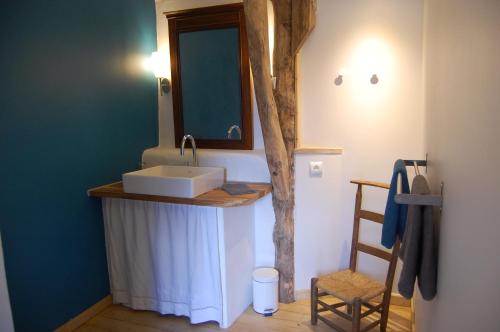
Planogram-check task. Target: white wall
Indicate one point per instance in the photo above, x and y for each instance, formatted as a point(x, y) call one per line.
point(375, 124)
point(318, 244)
point(462, 137)
point(6, 324)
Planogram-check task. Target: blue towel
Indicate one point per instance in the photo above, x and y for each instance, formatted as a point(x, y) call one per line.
point(395, 214)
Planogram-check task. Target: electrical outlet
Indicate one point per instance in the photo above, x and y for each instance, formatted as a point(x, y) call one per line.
point(316, 169)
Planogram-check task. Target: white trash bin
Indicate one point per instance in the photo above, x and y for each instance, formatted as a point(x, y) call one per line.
point(265, 290)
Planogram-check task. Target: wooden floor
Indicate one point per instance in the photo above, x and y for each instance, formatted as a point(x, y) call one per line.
point(291, 317)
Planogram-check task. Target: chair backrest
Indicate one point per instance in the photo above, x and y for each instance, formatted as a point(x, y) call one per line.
point(356, 246)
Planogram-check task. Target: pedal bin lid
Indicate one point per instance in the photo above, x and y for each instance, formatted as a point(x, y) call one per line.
point(265, 274)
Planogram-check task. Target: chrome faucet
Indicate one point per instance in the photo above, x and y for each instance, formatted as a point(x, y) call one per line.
point(230, 131)
point(193, 145)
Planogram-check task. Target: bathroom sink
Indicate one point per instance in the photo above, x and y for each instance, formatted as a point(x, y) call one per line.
point(174, 181)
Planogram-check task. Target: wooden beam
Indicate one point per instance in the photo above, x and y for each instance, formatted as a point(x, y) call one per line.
point(277, 161)
point(274, 144)
point(304, 21)
point(285, 97)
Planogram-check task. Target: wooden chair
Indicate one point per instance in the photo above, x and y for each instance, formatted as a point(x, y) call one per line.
point(353, 288)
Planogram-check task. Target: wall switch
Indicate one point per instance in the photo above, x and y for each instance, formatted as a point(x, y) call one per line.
point(316, 169)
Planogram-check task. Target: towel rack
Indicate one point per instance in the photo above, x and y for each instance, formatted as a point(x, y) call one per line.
point(411, 199)
point(417, 199)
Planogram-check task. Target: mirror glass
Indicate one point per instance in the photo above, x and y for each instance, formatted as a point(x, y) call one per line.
point(211, 82)
point(210, 77)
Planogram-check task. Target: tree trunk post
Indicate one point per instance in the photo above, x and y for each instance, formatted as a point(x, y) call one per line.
point(294, 19)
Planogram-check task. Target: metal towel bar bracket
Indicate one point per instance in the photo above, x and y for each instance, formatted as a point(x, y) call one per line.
point(416, 163)
point(409, 162)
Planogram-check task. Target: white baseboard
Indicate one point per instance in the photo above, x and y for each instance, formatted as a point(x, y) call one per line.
point(302, 294)
point(86, 315)
point(398, 299)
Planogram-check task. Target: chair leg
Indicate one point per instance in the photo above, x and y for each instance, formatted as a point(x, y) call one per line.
point(356, 315)
point(349, 309)
point(384, 316)
point(383, 322)
point(314, 301)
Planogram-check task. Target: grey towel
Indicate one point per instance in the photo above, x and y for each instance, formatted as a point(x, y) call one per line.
point(237, 188)
point(418, 249)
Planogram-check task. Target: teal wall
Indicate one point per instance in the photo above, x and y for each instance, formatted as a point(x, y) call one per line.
point(74, 114)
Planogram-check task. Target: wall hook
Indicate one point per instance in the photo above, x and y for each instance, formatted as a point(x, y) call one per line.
point(339, 80)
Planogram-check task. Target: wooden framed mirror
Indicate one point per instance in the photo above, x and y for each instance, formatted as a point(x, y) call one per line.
point(211, 76)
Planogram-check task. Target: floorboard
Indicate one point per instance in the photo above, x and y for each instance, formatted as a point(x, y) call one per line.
point(292, 317)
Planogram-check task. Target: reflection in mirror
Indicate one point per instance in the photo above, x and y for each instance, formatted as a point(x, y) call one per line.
point(230, 131)
point(210, 76)
point(211, 84)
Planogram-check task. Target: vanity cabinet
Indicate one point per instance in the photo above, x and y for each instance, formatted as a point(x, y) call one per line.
point(193, 260)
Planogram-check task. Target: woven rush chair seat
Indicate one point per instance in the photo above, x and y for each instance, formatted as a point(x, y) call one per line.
point(348, 285)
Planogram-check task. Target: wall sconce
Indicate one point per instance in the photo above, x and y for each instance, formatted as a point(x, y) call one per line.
point(164, 85)
point(374, 79)
point(159, 65)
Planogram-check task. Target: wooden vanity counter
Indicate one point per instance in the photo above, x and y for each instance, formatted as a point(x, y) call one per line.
point(215, 198)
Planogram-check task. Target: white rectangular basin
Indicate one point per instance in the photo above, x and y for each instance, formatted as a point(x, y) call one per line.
point(174, 181)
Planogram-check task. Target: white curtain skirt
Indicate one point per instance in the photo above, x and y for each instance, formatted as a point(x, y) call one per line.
point(164, 257)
